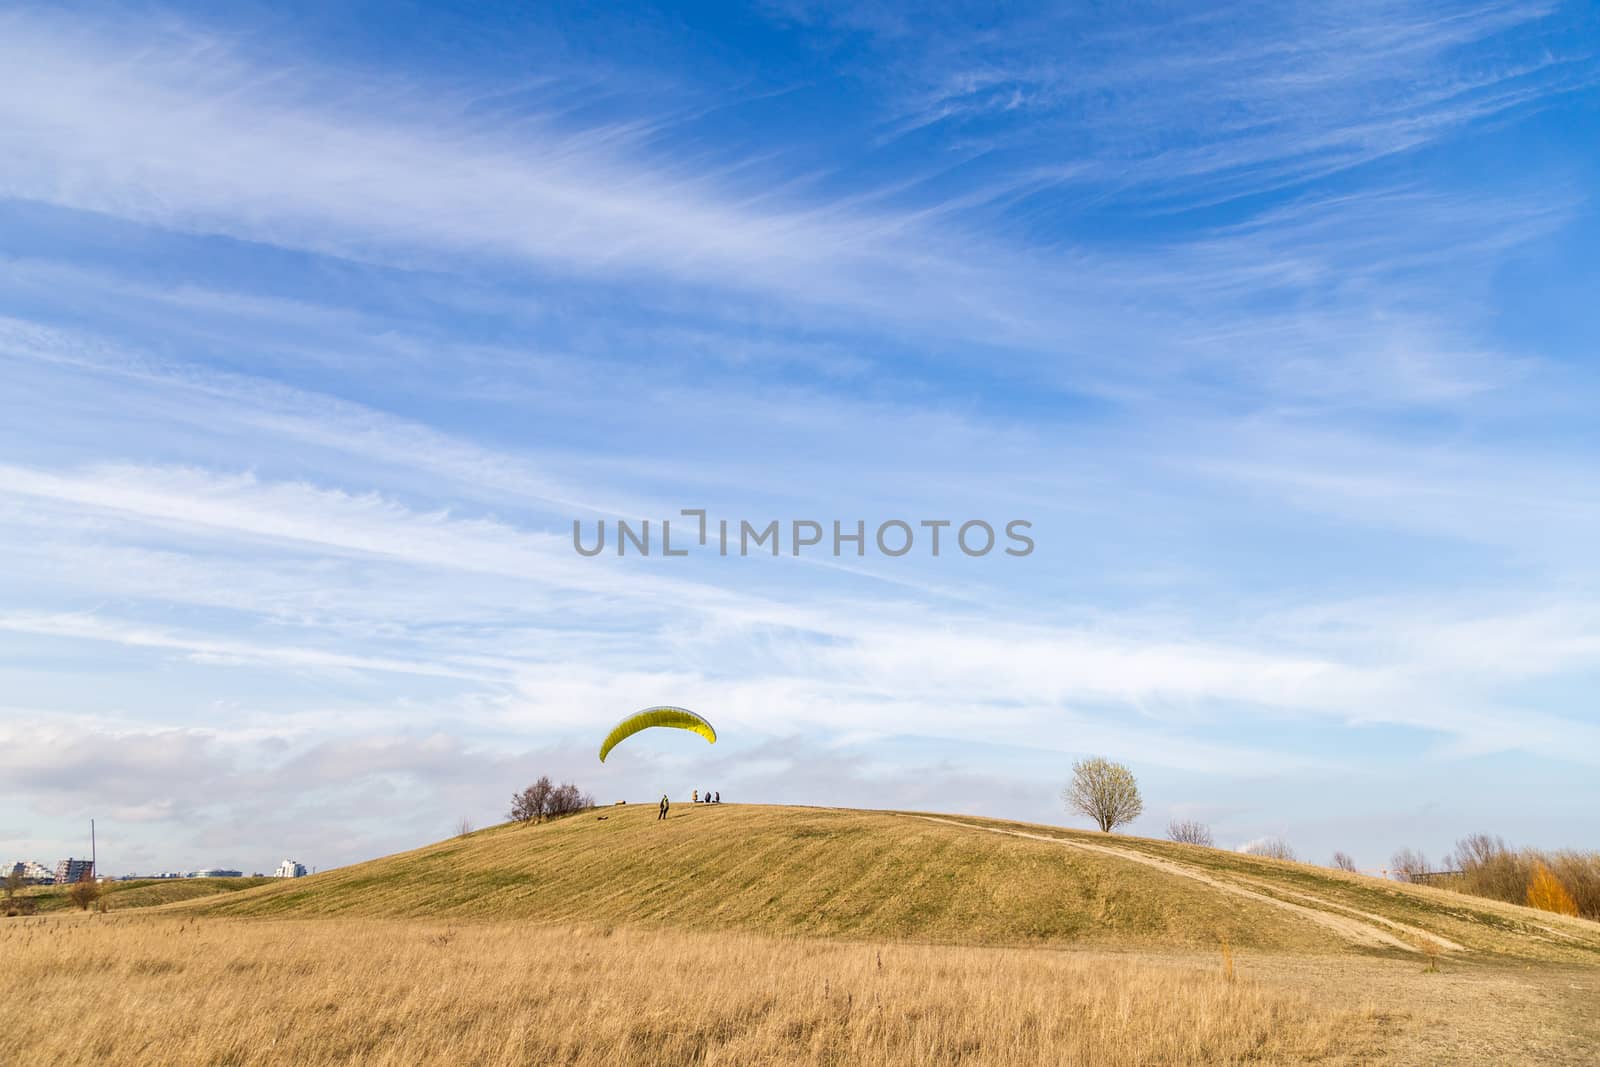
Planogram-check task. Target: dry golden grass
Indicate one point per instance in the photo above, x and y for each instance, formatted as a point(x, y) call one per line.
point(620, 940)
point(879, 875)
point(817, 872)
point(1483, 928)
point(175, 991)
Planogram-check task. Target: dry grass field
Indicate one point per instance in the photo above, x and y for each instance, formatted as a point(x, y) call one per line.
point(754, 935)
point(165, 990)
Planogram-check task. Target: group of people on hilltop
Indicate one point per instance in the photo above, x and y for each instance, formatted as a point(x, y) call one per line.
point(710, 798)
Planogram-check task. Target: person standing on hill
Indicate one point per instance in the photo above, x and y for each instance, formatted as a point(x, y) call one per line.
point(664, 806)
point(694, 796)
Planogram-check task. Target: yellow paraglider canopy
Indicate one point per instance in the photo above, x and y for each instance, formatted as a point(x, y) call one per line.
point(662, 715)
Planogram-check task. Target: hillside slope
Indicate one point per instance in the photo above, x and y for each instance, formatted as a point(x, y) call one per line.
point(143, 892)
point(865, 874)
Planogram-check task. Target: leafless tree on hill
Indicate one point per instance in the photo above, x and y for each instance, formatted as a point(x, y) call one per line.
point(531, 804)
point(1408, 865)
point(1190, 832)
point(1273, 848)
point(1490, 869)
point(568, 798)
point(1104, 791)
point(1343, 861)
point(542, 800)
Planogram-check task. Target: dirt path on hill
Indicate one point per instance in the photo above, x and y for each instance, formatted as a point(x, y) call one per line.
point(1357, 927)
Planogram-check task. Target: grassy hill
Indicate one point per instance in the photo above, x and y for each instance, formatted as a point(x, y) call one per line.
point(907, 876)
point(142, 892)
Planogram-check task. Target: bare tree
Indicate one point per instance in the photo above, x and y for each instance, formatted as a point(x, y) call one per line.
point(562, 799)
point(1190, 832)
point(1104, 791)
point(1343, 861)
point(1273, 848)
point(1408, 865)
point(85, 891)
point(1478, 850)
point(567, 798)
point(464, 825)
point(533, 803)
point(541, 800)
point(1490, 869)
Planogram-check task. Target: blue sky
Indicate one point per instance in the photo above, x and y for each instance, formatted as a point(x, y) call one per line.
point(319, 326)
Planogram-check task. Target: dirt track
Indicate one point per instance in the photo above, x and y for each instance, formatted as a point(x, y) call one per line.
point(1357, 927)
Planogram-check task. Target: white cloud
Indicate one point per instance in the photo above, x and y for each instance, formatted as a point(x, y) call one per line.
point(371, 604)
point(963, 674)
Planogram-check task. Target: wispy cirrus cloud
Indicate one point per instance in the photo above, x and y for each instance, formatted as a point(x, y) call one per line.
point(314, 163)
point(857, 666)
point(1233, 101)
point(310, 360)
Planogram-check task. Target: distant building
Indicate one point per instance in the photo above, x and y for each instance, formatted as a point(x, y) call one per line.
point(71, 870)
point(290, 869)
point(217, 872)
point(31, 872)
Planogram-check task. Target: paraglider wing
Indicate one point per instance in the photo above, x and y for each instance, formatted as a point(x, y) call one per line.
point(675, 718)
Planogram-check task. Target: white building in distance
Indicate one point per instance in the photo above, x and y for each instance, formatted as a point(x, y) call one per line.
point(290, 869)
point(35, 873)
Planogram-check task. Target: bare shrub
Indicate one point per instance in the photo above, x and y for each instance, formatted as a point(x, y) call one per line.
point(1430, 953)
point(1190, 832)
point(1273, 848)
point(566, 798)
point(14, 904)
point(464, 825)
point(85, 891)
point(1343, 861)
point(1409, 865)
point(1490, 869)
point(563, 800)
point(1104, 791)
point(1580, 873)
